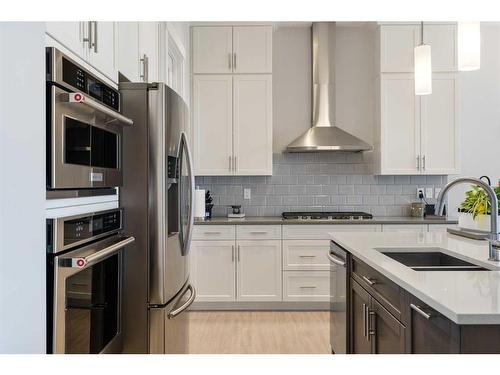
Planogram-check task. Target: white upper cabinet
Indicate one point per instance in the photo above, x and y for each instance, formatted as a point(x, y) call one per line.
point(101, 51)
point(213, 124)
point(212, 49)
point(252, 124)
point(149, 51)
point(258, 272)
point(397, 42)
point(399, 125)
point(93, 42)
point(396, 47)
point(417, 134)
point(127, 50)
point(232, 113)
point(252, 49)
point(440, 137)
point(70, 35)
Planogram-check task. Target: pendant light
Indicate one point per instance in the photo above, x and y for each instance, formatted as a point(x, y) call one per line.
point(423, 67)
point(469, 46)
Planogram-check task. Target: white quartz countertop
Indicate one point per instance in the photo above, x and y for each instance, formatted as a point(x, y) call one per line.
point(465, 297)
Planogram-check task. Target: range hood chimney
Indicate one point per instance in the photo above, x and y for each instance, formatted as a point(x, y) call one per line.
point(324, 135)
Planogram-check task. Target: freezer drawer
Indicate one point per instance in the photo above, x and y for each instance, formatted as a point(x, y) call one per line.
point(169, 325)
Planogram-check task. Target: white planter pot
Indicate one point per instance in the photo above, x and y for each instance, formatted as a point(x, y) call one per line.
point(481, 222)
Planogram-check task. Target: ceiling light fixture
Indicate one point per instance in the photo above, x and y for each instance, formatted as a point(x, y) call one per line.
point(423, 67)
point(469, 46)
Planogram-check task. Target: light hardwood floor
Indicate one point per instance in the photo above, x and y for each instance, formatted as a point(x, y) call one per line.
point(259, 332)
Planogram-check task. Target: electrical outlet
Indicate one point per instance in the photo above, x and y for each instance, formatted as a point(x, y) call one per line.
point(429, 193)
point(247, 193)
point(420, 193)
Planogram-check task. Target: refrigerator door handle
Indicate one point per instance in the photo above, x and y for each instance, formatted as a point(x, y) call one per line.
point(176, 311)
point(184, 145)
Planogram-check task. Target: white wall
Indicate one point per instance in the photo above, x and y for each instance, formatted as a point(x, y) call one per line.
point(22, 188)
point(292, 89)
point(480, 115)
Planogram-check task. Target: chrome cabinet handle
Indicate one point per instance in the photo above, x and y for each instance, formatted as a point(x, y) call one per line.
point(230, 164)
point(88, 38)
point(418, 162)
point(234, 60)
point(238, 254)
point(307, 256)
point(308, 287)
point(365, 326)
point(145, 68)
point(211, 232)
point(336, 260)
point(423, 162)
point(235, 164)
point(232, 253)
point(369, 281)
point(370, 332)
point(173, 313)
point(94, 36)
point(229, 58)
point(80, 98)
point(258, 232)
point(419, 310)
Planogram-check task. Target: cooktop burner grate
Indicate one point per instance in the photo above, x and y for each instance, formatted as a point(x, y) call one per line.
point(340, 215)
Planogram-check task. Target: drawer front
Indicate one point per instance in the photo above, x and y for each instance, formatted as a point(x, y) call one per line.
point(414, 228)
point(320, 232)
point(306, 255)
point(306, 286)
point(258, 232)
point(389, 294)
point(214, 232)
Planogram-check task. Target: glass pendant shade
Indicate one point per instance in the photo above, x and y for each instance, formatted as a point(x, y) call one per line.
point(469, 46)
point(423, 70)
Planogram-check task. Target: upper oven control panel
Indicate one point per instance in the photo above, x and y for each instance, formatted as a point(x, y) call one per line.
point(67, 232)
point(64, 71)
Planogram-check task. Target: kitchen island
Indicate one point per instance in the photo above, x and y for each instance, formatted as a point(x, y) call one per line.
point(428, 292)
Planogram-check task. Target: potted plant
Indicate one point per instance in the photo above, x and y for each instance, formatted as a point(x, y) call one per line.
point(475, 210)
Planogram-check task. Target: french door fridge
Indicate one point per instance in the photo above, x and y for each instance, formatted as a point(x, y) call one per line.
point(158, 194)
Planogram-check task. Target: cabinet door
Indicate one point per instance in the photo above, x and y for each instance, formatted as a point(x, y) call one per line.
point(102, 48)
point(431, 332)
point(396, 47)
point(70, 35)
point(387, 334)
point(127, 51)
point(443, 42)
point(212, 265)
point(212, 49)
point(148, 51)
point(253, 124)
point(400, 125)
point(253, 49)
point(360, 303)
point(440, 135)
point(259, 270)
point(213, 129)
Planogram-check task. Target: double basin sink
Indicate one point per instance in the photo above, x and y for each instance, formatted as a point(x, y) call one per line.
point(429, 259)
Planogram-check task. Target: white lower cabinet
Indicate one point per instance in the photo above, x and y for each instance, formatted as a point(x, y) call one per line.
point(259, 270)
point(306, 286)
point(213, 270)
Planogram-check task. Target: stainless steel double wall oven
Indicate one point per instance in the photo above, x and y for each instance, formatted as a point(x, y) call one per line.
point(84, 127)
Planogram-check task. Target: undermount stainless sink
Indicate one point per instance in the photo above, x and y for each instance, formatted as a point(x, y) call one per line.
point(430, 259)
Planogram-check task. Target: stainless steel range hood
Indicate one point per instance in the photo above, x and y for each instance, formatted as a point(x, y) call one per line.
point(324, 135)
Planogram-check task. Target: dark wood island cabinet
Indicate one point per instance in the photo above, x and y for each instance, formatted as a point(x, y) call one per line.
point(386, 319)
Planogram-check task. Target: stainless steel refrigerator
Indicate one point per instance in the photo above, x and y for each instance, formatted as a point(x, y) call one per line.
point(158, 196)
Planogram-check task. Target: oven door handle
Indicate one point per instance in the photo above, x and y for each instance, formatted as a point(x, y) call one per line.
point(173, 313)
point(84, 262)
point(80, 98)
point(335, 259)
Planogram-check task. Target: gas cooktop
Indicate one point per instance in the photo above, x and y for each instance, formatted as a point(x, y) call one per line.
point(340, 215)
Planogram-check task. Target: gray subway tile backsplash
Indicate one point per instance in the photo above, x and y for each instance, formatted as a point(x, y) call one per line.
point(317, 182)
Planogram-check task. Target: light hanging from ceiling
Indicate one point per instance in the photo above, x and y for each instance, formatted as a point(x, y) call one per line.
point(469, 46)
point(423, 67)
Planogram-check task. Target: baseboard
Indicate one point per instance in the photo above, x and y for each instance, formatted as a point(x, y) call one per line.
point(260, 306)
